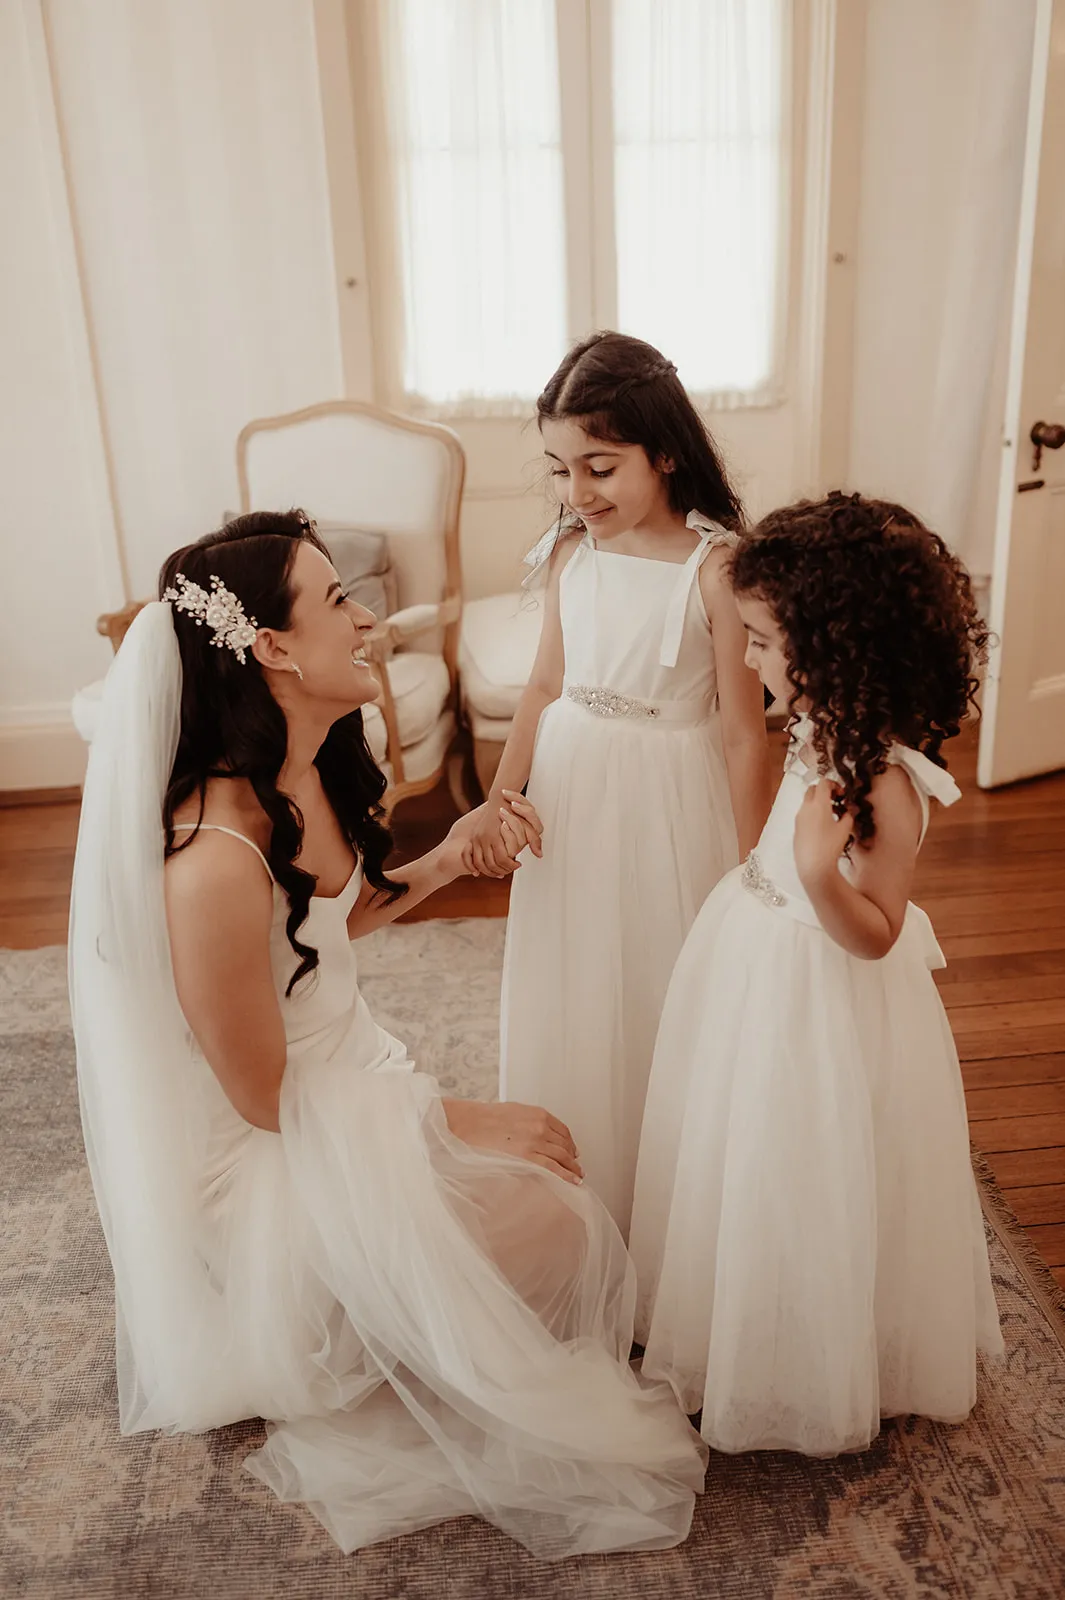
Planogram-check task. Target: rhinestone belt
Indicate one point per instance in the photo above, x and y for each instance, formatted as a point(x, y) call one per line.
point(616, 707)
point(608, 703)
point(756, 881)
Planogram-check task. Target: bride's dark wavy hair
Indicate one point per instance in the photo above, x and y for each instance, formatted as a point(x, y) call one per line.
point(623, 389)
point(881, 631)
point(232, 727)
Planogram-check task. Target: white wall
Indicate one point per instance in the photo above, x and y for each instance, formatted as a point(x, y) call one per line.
point(167, 171)
point(57, 545)
point(945, 104)
point(182, 256)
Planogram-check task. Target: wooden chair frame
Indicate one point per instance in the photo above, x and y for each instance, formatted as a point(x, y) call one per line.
point(407, 623)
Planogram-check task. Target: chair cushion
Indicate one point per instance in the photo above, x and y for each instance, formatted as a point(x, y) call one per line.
point(420, 687)
point(488, 730)
point(421, 760)
point(364, 566)
point(363, 562)
point(497, 648)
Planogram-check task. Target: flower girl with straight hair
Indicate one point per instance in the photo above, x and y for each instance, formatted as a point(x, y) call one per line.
point(642, 739)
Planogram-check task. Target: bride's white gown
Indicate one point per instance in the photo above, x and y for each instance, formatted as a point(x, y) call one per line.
point(367, 1243)
point(429, 1330)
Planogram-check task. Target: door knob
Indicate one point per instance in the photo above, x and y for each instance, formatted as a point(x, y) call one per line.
point(1045, 436)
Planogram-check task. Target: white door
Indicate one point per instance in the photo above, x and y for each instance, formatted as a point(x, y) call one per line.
point(1023, 730)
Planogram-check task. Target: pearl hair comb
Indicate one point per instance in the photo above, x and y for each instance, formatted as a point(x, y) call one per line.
point(220, 609)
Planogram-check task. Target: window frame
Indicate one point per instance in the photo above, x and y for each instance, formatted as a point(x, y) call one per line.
point(585, 89)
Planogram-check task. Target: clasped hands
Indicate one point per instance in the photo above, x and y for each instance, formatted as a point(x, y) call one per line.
point(491, 838)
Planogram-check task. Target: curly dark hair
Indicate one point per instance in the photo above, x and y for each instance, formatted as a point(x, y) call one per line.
point(881, 628)
point(232, 727)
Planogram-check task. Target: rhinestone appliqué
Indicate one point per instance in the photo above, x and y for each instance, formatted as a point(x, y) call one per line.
point(608, 703)
point(756, 881)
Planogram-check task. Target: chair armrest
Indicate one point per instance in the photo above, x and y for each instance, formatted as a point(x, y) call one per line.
point(395, 630)
point(114, 625)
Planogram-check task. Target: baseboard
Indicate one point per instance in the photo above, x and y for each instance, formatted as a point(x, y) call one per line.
point(40, 756)
point(10, 798)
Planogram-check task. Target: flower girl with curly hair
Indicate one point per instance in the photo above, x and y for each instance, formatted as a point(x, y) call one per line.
point(806, 1229)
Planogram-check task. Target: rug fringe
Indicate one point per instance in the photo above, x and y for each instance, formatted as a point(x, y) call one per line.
point(1048, 1292)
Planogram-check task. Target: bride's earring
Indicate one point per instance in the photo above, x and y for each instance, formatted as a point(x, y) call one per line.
point(295, 668)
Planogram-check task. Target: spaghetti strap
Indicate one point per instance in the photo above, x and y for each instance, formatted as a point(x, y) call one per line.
point(216, 827)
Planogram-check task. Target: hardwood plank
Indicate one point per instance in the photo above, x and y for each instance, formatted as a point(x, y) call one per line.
point(976, 969)
point(991, 941)
point(34, 933)
point(1043, 1203)
point(1049, 1240)
point(1023, 1169)
point(484, 897)
point(1005, 913)
point(25, 829)
point(938, 881)
point(1015, 1100)
point(21, 799)
point(1019, 1133)
point(1030, 1039)
point(969, 1020)
point(1000, 1070)
point(1022, 987)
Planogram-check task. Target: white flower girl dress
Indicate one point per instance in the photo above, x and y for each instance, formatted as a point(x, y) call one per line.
point(629, 779)
point(807, 1233)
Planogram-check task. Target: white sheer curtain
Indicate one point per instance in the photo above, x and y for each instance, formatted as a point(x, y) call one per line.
point(670, 114)
point(699, 180)
point(476, 162)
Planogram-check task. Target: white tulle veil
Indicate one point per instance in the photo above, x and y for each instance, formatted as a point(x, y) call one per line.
point(429, 1330)
point(134, 1052)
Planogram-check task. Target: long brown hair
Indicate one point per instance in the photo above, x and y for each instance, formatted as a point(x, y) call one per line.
point(624, 390)
point(232, 727)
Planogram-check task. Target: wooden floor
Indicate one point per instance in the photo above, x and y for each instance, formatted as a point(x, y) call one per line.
point(991, 876)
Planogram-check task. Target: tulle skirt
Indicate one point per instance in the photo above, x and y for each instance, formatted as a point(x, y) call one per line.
point(807, 1232)
point(432, 1331)
point(637, 830)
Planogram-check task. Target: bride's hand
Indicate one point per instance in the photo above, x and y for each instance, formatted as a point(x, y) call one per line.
point(515, 825)
point(526, 1131)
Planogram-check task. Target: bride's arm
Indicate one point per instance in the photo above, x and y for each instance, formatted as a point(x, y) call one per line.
point(219, 907)
point(450, 860)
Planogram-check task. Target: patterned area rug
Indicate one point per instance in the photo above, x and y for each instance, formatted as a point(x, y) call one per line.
point(967, 1513)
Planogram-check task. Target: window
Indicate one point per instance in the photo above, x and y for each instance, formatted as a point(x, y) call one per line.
point(559, 165)
point(698, 156)
point(472, 90)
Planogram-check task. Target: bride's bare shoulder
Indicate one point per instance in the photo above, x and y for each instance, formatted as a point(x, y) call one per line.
point(227, 803)
point(208, 869)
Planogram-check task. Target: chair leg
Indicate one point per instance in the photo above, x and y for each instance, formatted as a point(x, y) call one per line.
point(461, 790)
point(487, 754)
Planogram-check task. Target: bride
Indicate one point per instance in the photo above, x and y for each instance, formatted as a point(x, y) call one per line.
point(431, 1312)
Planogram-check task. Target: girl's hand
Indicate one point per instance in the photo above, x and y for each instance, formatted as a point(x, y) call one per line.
point(513, 1130)
point(516, 825)
point(820, 836)
point(520, 823)
point(502, 833)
